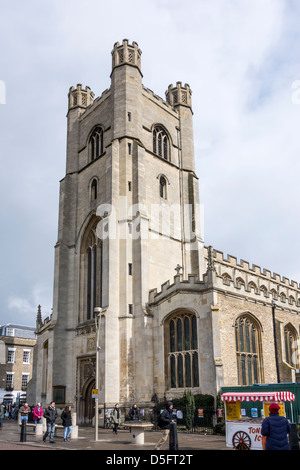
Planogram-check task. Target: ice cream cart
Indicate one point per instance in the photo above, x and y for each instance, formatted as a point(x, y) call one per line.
point(244, 432)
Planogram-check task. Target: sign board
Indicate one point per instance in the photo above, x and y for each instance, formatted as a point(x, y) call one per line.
point(233, 410)
point(95, 393)
point(281, 411)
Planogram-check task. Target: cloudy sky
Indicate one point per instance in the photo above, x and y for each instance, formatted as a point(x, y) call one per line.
point(241, 60)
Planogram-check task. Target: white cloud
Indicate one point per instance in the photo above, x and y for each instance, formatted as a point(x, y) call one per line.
point(240, 59)
point(23, 308)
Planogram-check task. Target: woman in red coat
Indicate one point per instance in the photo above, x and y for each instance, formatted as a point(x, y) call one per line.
point(37, 414)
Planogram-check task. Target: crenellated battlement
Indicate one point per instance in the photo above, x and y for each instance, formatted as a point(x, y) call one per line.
point(126, 53)
point(231, 261)
point(80, 97)
point(236, 279)
point(159, 99)
point(242, 277)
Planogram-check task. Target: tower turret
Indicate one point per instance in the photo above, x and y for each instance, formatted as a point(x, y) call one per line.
point(179, 95)
point(126, 54)
point(79, 97)
point(126, 87)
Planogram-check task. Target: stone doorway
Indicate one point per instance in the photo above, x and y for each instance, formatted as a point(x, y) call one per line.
point(88, 405)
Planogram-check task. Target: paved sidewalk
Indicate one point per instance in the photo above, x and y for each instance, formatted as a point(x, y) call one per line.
point(11, 433)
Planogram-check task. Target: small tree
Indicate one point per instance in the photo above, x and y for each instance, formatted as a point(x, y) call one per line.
point(189, 403)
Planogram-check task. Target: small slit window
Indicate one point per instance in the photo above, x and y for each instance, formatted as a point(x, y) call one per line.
point(163, 187)
point(94, 190)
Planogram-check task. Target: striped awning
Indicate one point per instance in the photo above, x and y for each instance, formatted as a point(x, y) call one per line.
point(258, 396)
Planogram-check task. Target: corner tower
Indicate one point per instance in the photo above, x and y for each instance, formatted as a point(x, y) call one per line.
point(129, 167)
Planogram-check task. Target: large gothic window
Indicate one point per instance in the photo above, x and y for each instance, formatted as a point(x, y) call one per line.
point(182, 363)
point(290, 344)
point(90, 274)
point(248, 346)
point(160, 142)
point(96, 143)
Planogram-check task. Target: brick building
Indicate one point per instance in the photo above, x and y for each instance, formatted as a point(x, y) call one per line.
point(16, 358)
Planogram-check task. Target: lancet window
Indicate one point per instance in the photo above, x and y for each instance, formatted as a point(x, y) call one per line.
point(182, 361)
point(96, 143)
point(161, 142)
point(90, 274)
point(248, 346)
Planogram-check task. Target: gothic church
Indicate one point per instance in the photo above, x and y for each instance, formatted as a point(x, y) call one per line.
point(176, 314)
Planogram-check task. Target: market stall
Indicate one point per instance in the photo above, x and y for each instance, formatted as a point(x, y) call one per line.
point(243, 431)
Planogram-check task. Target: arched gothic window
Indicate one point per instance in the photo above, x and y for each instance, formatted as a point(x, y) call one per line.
point(96, 143)
point(290, 344)
point(94, 189)
point(90, 274)
point(163, 187)
point(160, 142)
point(247, 338)
point(182, 362)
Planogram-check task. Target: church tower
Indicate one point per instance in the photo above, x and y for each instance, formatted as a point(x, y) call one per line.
point(128, 217)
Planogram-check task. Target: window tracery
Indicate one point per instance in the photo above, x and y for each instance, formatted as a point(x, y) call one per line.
point(96, 143)
point(247, 337)
point(160, 142)
point(182, 356)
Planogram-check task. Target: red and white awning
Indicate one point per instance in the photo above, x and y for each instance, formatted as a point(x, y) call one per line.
point(258, 396)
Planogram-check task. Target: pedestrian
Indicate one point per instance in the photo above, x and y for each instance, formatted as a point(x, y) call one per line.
point(275, 430)
point(37, 414)
point(134, 413)
point(66, 417)
point(2, 414)
point(24, 410)
point(107, 419)
point(115, 418)
point(165, 421)
point(50, 414)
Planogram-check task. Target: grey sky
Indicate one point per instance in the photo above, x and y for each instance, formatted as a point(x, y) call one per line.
point(241, 59)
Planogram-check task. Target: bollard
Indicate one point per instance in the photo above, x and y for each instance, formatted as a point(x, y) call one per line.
point(173, 440)
point(294, 440)
point(23, 431)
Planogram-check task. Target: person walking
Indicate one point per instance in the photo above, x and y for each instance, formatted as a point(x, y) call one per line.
point(2, 414)
point(134, 413)
point(24, 410)
point(115, 418)
point(275, 430)
point(165, 421)
point(37, 414)
point(66, 417)
point(50, 415)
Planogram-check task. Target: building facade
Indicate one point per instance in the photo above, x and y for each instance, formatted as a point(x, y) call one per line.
point(129, 220)
point(16, 359)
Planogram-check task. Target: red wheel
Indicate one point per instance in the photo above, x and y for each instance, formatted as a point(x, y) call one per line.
point(241, 441)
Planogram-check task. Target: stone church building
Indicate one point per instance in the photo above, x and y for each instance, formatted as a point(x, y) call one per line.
point(176, 314)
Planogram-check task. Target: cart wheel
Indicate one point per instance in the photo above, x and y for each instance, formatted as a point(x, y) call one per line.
point(241, 441)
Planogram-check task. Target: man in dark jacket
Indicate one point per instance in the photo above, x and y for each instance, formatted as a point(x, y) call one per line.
point(165, 422)
point(50, 415)
point(275, 430)
point(134, 413)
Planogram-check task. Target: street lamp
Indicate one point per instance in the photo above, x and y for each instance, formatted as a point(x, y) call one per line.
point(97, 312)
